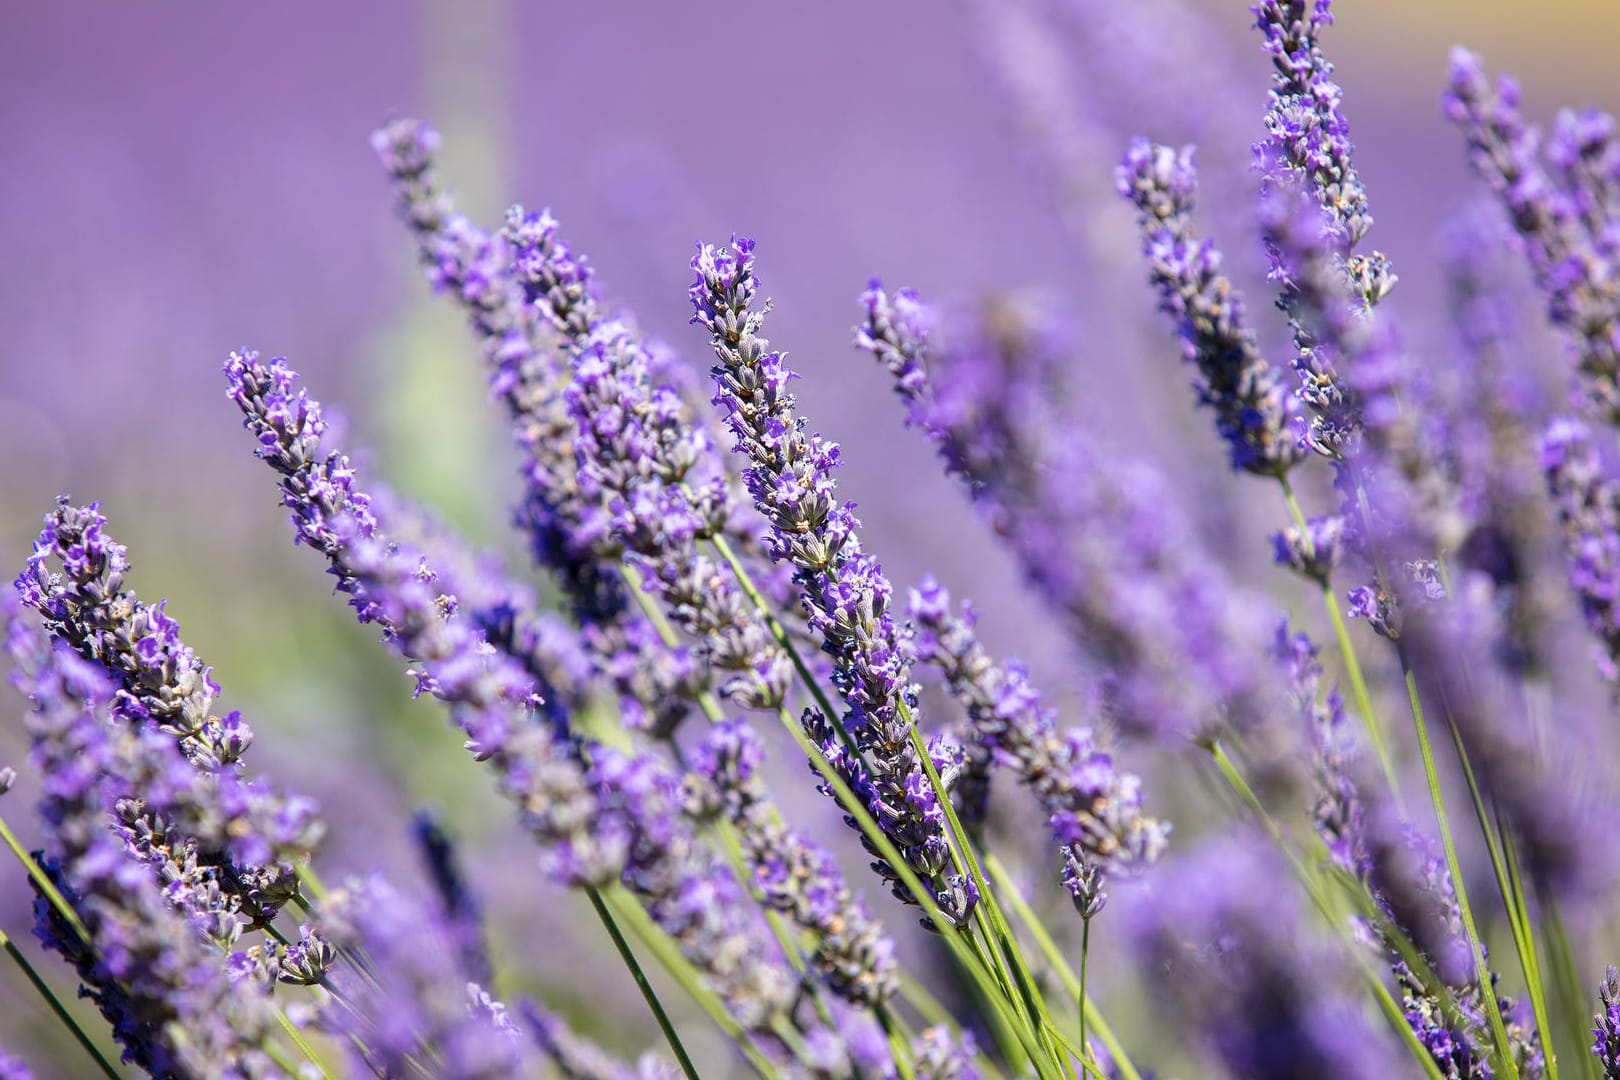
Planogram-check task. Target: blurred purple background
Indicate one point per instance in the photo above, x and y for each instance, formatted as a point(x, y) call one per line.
point(185, 180)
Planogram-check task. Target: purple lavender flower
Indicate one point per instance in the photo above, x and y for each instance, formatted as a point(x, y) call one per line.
point(642, 463)
point(939, 1057)
point(845, 592)
point(853, 953)
point(419, 1001)
point(249, 835)
point(597, 813)
point(1588, 502)
point(490, 276)
point(1098, 540)
point(1606, 1032)
point(148, 967)
point(1235, 382)
point(1092, 806)
point(1231, 956)
point(1572, 265)
point(1308, 138)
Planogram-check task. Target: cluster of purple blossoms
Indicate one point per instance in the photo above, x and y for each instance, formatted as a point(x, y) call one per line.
point(1587, 499)
point(844, 589)
point(175, 1005)
point(1093, 807)
point(1606, 1033)
point(600, 814)
point(1567, 229)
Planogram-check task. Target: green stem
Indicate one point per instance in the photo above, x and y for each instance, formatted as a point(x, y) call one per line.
point(897, 1044)
point(1085, 951)
point(1055, 959)
point(1482, 972)
point(304, 1048)
point(56, 1005)
point(1570, 991)
point(1510, 884)
point(647, 992)
point(42, 881)
point(629, 913)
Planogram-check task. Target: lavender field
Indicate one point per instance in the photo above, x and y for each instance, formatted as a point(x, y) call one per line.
point(1038, 538)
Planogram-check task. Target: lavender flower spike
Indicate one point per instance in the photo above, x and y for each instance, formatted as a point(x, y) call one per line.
point(1308, 137)
point(1588, 502)
point(597, 813)
point(147, 966)
point(1092, 805)
point(1244, 392)
point(1575, 269)
point(789, 476)
point(577, 1058)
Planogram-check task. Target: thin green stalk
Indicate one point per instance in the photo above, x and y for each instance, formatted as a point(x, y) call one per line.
point(1568, 981)
point(1055, 959)
point(1347, 650)
point(897, 1044)
point(304, 1048)
point(56, 1005)
point(1085, 951)
point(42, 881)
point(1482, 973)
point(1509, 882)
point(933, 1014)
point(647, 992)
point(629, 913)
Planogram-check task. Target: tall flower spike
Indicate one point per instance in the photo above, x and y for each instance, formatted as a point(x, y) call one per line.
point(1588, 503)
point(525, 358)
point(163, 686)
point(1575, 270)
point(1250, 406)
point(1092, 805)
point(853, 953)
point(789, 475)
point(459, 910)
point(150, 970)
point(1308, 138)
point(1095, 538)
point(597, 813)
point(420, 999)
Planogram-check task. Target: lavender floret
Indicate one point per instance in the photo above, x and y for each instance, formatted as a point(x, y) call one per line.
point(1588, 503)
point(1606, 1029)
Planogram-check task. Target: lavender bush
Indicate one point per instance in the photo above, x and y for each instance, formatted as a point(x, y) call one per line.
point(1351, 821)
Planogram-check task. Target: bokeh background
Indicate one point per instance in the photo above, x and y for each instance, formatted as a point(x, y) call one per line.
point(181, 180)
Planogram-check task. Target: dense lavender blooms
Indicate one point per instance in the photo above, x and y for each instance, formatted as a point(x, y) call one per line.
point(1567, 231)
point(1099, 540)
point(598, 813)
point(492, 278)
point(1588, 504)
point(1338, 812)
point(845, 591)
point(1308, 139)
point(1250, 406)
point(1092, 805)
point(1233, 957)
point(146, 962)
